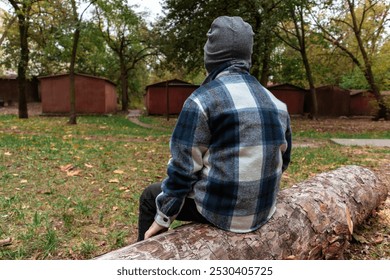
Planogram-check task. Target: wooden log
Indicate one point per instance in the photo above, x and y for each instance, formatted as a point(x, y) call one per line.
point(314, 220)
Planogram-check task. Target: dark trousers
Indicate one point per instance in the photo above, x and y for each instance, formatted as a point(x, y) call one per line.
point(148, 210)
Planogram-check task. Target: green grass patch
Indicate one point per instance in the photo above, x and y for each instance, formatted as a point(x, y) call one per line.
point(313, 134)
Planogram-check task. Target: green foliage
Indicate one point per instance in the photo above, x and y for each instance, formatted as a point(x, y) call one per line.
point(358, 30)
point(183, 31)
point(290, 69)
point(354, 80)
point(382, 66)
point(130, 41)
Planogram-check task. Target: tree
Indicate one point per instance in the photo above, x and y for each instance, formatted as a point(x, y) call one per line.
point(288, 67)
point(127, 36)
point(264, 17)
point(294, 33)
point(382, 66)
point(23, 10)
point(8, 26)
point(77, 23)
point(357, 28)
point(72, 87)
point(51, 41)
point(183, 32)
point(50, 38)
point(95, 57)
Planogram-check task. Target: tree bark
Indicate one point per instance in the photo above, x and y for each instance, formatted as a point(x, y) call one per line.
point(22, 65)
point(124, 84)
point(314, 220)
point(72, 82)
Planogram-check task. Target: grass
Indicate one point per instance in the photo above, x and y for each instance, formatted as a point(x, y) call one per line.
point(71, 192)
point(340, 134)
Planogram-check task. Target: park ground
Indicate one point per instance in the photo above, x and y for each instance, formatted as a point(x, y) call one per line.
point(50, 207)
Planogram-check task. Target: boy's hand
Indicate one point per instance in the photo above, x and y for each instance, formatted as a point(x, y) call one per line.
point(154, 229)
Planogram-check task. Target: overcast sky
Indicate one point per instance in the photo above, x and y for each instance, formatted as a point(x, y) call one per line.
point(151, 6)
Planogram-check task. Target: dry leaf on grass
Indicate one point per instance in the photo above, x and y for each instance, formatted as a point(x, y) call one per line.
point(65, 168)
point(72, 173)
point(5, 242)
point(70, 170)
point(116, 181)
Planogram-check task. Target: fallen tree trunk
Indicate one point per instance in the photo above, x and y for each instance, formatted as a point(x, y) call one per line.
point(314, 220)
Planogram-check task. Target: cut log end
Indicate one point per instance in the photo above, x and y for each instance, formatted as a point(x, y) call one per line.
point(314, 220)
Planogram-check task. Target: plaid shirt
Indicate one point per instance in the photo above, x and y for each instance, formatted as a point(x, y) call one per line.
point(231, 143)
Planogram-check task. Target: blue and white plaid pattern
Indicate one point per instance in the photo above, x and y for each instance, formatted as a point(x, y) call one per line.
point(229, 148)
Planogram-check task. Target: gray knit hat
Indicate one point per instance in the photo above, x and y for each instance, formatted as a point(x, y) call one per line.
point(230, 39)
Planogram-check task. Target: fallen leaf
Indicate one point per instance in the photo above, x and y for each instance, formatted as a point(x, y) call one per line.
point(67, 167)
point(116, 181)
point(72, 173)
point(6, 242)
point(88, 165)
point(119, 171)
point(23, 181)
point(7, 154)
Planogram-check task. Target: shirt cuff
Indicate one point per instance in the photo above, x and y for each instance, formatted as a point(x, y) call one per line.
point(162, 220)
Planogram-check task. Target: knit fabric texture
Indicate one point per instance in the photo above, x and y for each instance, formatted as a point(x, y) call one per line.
point(230, 39)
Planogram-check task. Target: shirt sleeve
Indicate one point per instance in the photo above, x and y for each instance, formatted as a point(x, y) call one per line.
point(287, 153)
point(188, 143)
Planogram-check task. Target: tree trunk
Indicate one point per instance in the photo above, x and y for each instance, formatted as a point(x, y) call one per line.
point(72, 79)
point(262, 49)
point(367, 69)
point(312, 88)
point(125, 86)
point(314, 220)
point(300, 31)
point(72, 83)
point(22, 66)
